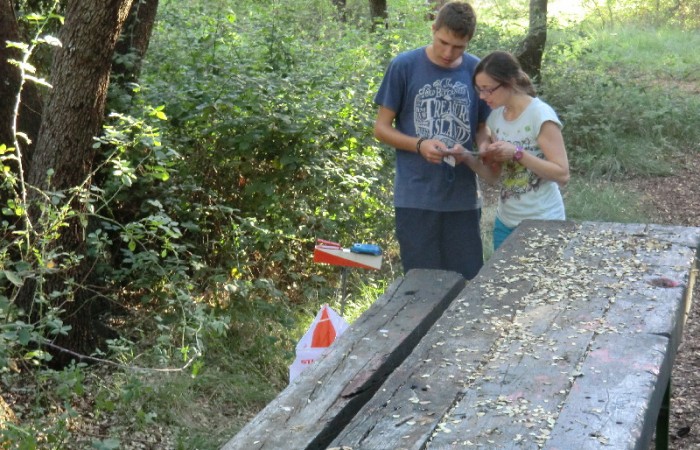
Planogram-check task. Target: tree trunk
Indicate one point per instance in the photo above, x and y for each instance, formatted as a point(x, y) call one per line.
point(72, 117)
point(341, 6)
point(80, 77)
point(531, 49)
point(378, 12)
point(29, 118)
point(434, 6)
point(133, 42)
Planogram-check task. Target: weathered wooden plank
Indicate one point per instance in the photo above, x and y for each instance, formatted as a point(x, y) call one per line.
point(514, 347)
point(415, 398)
point(652, 266)
point(615, 401)
point(685, 236)
point(318, 404)
point(622, 266)
point(650, 310)
point(657, 245)
point(517, 395)
point(516, 399)
point(419, 392)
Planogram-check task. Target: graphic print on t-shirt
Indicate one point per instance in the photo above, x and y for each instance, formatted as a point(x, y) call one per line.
point(515, 178)
point(441, 111)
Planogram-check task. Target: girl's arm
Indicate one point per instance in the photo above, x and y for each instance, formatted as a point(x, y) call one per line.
point(481, 164)
point(554, 166)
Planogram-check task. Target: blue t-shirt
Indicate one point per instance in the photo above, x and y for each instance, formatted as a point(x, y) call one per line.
point(436, 103)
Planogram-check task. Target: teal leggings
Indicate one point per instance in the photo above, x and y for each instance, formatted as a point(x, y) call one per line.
point(500, 233)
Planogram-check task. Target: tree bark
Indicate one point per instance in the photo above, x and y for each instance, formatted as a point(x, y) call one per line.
point(80, 77)
point(133, 42)
point(531, 49)
point(72, 117)
point(435, 6)
point(378, 12)
point(341, 6)
point(29, 119)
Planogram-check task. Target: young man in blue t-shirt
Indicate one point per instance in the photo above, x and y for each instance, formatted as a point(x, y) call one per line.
point(427, 106)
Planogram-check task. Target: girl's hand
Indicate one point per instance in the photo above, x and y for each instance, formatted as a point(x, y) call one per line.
point(462, 155)
point(501, 151)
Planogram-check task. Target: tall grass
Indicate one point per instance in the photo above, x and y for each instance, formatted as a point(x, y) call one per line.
point(659, 56)
point(603, 202)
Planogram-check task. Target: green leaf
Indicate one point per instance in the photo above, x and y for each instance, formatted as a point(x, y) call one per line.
point(107, 444)
point(24, 336)
point(51, 40)
point(20, 45)
point(39, 81)
point(13, 278)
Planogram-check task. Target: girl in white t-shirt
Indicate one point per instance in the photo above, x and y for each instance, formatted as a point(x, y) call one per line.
point(526, 154)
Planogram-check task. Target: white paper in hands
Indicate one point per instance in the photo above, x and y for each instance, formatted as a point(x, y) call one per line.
point(453, 152)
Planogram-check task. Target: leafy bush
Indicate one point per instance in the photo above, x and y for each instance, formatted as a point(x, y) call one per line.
point(272, 124)
point(275, 136)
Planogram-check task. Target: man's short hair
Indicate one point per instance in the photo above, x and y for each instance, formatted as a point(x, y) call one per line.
point(458, 17)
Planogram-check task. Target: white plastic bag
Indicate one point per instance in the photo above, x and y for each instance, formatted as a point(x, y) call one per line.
point(325, 328)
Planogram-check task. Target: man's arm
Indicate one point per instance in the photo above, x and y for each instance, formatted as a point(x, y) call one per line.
point(384, 130)
point(482, 165)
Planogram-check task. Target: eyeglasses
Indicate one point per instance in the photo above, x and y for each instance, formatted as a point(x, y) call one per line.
point(486, 91)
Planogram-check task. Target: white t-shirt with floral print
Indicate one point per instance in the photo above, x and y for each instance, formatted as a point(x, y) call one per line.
point(523, 194)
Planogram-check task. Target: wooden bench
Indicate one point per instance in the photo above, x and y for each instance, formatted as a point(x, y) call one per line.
point(565, 340)
point(327, 395)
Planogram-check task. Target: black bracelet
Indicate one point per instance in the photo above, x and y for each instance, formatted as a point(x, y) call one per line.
point(420, 141)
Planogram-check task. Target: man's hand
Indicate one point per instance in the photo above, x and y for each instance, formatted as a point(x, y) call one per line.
point(433, 151)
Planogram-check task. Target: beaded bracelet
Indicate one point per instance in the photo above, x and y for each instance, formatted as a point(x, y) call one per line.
point(420, 141)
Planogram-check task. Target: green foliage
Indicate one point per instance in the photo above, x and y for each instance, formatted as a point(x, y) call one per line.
point(275, 133)
point(657, 13)
point(47, 417)
point(665, 53)
point(249, 137)
point(136, 250)
point(614, 121)
point(206, 208)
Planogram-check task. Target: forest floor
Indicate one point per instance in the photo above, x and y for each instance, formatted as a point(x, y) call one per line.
point(676, 201)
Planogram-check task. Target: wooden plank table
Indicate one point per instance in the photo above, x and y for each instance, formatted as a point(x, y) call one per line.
point(565, 340)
